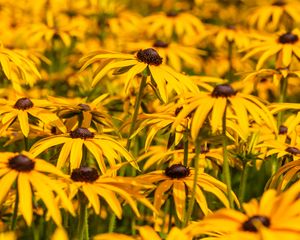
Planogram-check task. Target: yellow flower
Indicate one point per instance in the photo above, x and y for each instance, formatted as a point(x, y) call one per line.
point(29, 175)
point(145, 233)
point(173, 54)
point(273, 14)
point(224, 98)
point(24, 109)
point(284, 46)
point(99, 145)
point(179, 23)
point(163, 78)
point(81, 113)
point(180, 179)
point(95, 187)
point(273, 217)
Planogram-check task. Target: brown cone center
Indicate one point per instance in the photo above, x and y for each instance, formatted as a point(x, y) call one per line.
point(288, 38)
point(293, 150)
point(160, 44)
point(83, 133)
point(223, 90)
point(23, 104)
point(149, 56)
point(177, 171)
point(21, 163)
point(84, 174)
point(84, 107)
point(253, 222)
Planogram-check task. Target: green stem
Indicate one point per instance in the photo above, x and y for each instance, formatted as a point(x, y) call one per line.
point(226, 168)
point(230, 61)
point(112, 223)
point(26, 145)
point(186, 147)
point(282, 97)
point(83, 218)
point(242, 189)
point(167, 209)
point(15, 213)
point(193, 197)
point(137, 105)
point(171, 205)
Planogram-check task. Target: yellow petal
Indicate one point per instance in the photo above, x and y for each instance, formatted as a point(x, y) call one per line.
point(23, 120)
point(25, 197)
point(6, 183)
point(179, 198)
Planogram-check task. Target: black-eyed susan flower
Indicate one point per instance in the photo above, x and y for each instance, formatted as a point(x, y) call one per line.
point(285, 46)
point(274, 14)
point(24, 110)
point(272, 217)
point(224, 98)
point(30, 176)
point(182, 24)
point(162, 77)
point(96, 187)
point(102, 147)
point(80, 113)
point(145, 233)
point(174, 54)
point(177, 180)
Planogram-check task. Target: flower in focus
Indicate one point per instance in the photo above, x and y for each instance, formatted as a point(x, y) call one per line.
point(147, 59)
point(179, 179)
point(29, 174)
point(74, 142)
point(26, 111)
point(95, 187)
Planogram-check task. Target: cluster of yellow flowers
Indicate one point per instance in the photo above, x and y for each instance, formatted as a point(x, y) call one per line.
point(149, 120)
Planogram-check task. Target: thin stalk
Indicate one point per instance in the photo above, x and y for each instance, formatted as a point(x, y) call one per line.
point(137, 105)
point(83, 218)
point(112, 223)
point(170, 213)
point(167, 208)
point(186, 147)
point(230, 61)
point(242, 189)
point(15, 213)
point(282, 97)
point(26, 145)
point(226, 169)
point(193, 197)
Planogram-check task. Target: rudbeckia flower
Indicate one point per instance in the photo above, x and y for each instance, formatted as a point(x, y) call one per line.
point(99, 145)
point(145, 233)
point(224, 98)
point(285, 47)
point(162, 76)
point(179, 179)
point(80, 113)
point(179, 23)
point(29, 174)
point(173, 54)
point(24, 110)
point(95, 187)
point(273, 14)
point(272, 217)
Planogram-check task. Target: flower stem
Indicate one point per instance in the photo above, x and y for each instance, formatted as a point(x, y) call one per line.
point(230, 61)
point(26, 145)
point(186, 147)
point(226, 169)
point(15, 213)
point(242, 189)
point(112, 223)
point(282, 97)
point(193, 197)
point(83, 218)
point(137, 105)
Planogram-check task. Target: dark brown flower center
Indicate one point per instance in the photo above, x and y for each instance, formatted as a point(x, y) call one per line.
point(288, 38)
point(172, 13)
point(279, 3)
point(81, 133)
point(223, 90)
point(292, 150)
point(254, 222)
point(23, 104)
point(21, 163)
point(84, 107)
point(149, 56)
point(177, 171)
point(160, 44)
point(84, 174)
point(282, 130)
